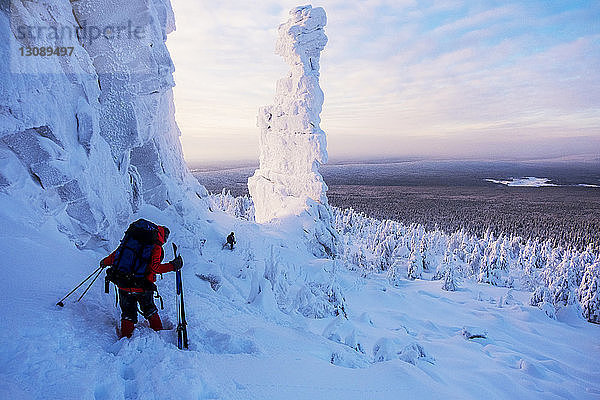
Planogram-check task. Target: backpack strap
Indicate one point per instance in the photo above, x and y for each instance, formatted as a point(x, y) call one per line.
point(158, 296)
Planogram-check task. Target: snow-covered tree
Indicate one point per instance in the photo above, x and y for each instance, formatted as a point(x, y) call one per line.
point(425, 253)
point(473, 261)
point(239, 207)
point(394, 272)
point(385, 252)
point(449, 280)
point(441, 267)
point(494, 265)
point(589, 293)
point(540, 295)
point(564, 280)
point(498, 260)
point(415, 266)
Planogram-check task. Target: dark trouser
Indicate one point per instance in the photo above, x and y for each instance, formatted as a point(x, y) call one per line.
point(130, 300)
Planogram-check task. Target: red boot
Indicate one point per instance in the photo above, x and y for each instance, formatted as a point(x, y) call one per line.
point(126, 328)
point(155, 322)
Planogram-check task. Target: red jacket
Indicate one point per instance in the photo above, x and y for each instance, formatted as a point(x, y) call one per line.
point(154, 267)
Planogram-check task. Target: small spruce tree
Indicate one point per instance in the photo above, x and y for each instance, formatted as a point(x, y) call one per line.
point(449, 283)
point(415, 266)
point(589, 293)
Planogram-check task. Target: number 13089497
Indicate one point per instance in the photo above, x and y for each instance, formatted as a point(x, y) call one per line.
point(45, 51)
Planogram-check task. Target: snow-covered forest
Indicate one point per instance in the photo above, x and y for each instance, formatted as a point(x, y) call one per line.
point(566, 216)
point(557, 277)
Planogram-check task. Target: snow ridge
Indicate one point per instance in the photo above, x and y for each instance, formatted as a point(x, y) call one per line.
point(292, 145)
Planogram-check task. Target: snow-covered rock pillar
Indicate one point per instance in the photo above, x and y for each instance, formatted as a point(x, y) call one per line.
point(292, 145)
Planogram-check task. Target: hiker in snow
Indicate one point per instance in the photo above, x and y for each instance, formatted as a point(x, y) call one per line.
point(135, 264)
point(231, 240)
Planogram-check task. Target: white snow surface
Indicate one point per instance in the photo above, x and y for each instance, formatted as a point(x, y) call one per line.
point(249, 339)
point(531, 181)
point(528, 181)
point(292, 145)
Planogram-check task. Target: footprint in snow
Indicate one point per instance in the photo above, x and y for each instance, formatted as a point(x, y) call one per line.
point(128, 375)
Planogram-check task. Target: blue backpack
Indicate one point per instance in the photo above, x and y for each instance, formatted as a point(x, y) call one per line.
point(133, 255)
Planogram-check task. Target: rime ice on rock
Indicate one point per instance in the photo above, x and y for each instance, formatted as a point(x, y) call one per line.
point(92, 136)
point(292, 145)
point(135, 74)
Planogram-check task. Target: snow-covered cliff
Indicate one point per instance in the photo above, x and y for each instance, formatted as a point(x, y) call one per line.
point(292, 145)
point(89, 134)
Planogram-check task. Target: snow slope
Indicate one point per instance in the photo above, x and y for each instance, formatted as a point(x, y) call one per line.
point(249, 343)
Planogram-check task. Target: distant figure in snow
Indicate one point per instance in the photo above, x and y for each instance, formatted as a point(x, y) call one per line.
point(230, 241)
point(135, 264)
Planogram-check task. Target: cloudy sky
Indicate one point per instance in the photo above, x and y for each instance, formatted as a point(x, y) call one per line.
point(459, 79)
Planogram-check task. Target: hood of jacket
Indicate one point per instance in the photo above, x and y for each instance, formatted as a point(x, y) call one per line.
point(161, 237)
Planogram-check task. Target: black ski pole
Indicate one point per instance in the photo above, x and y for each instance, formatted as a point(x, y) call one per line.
point(89, 286)
point(61, 304)
point(178, 291)
point(182, 339)
point(183, 321)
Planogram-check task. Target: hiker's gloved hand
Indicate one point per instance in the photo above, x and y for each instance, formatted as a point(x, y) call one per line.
point(102, 265)
point(177, 263)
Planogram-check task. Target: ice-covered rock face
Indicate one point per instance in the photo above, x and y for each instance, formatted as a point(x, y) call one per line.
point(89, 136)
point(292, 145)
point(135, 74)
